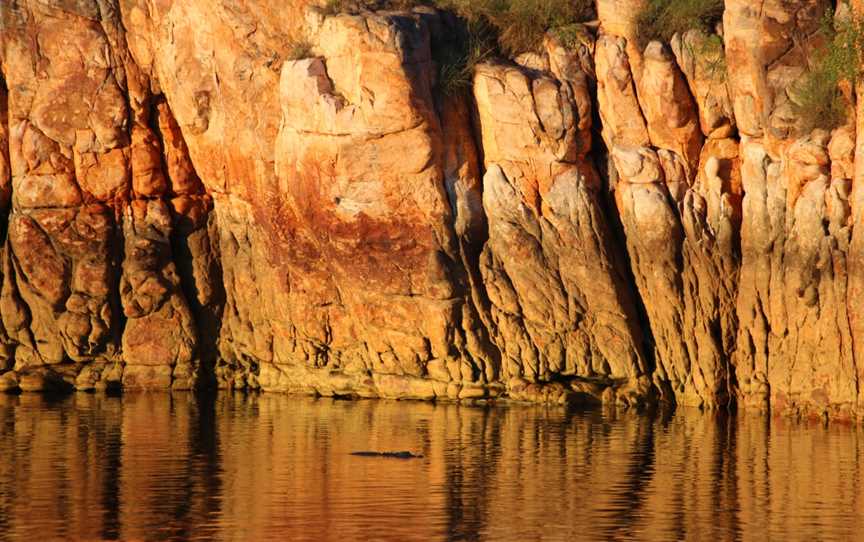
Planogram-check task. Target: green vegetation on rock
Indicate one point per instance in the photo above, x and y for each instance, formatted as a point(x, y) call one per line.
point(334, 7)
point(521, 24)
point(662, 19)
point(488, 28)
point(571, 35)
point(508, 27)
point(458, 54)
point(707, 51)
point(299, 49)
point(817, 97)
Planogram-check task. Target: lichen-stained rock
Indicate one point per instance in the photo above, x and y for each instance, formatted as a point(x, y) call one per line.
point(85, 240)
point(711, 218)
point(65, 101)
point(320, 284)
point(212, 62)
point(559, 304)
point(5, 165)
point(654, 236)
point(683, 258)
point(159, 339)
point(767, 48)
point(67, 84)
point(44, 286)
point(7, 344)
point(795, 340)
point(59, 275)
point(678, 213)
point(186, 48)
point(252, 308)
point(80, 144)
point(194, 238)
point(366, 224)
point(62, 269)
point(620, 18)
point(622, 120)
point(703, 60)
point(821, 372)
point(669, 110)
point(186, 198)
point(195, 251)
point(855, 201)
point(179, 171)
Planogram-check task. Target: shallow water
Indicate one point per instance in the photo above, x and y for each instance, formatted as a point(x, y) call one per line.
point(271, 467)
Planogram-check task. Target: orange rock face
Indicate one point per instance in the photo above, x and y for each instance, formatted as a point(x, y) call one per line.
point(186, 203)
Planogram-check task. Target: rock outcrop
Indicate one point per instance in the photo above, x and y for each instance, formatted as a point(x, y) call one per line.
point(186, 201)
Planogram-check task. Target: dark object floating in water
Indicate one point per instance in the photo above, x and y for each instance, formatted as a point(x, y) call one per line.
point(397, 455)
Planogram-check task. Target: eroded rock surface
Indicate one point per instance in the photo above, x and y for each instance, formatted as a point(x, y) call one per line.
point(560, 304)
point(184, 202)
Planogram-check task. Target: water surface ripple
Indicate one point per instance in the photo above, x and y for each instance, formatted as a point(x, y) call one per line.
point(271, 467)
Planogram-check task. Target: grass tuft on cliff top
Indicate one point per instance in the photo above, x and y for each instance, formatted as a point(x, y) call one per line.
point(662, 19)
point(459, 52)
point(817, 98)
point(299, 49)
point(521, 24)
point(491, 27)
point(335, 7)
point(507, 27)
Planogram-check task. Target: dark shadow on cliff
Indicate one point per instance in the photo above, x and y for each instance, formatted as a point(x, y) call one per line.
point(5, 177)
point(195, 244)
point(609, 179)
point(457, 114)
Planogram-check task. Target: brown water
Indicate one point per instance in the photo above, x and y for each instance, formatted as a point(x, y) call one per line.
point(159, 466)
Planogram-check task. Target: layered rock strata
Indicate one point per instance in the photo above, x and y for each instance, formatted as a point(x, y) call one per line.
point(187, 202)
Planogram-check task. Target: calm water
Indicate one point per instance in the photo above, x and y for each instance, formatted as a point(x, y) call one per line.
point(159, 466)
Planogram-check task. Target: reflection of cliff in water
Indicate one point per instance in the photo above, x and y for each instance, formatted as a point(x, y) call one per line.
point(271, 467)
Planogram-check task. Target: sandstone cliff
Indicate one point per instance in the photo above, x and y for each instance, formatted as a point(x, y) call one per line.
point(184, 202)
